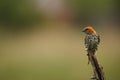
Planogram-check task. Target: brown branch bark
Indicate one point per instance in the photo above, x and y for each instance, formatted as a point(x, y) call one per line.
point(97, 68)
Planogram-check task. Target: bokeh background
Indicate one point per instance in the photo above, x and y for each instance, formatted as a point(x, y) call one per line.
point(42, 39)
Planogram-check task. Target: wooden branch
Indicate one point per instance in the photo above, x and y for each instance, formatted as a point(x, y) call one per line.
point(97, 68)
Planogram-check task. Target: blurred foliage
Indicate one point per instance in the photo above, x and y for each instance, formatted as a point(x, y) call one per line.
point(18, 12)
point(94, 11)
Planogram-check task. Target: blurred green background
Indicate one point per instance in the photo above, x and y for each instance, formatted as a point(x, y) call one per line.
point(42, 39)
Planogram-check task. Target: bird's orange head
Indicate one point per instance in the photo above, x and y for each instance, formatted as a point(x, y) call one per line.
point(89, 30)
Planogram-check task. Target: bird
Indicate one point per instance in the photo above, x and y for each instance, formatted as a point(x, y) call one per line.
point(92, 39)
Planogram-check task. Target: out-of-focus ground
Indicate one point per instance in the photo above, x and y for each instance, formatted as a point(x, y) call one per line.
point(55, 54)
point(53, 48)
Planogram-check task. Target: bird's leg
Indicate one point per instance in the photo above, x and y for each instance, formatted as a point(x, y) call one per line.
point(88, 58)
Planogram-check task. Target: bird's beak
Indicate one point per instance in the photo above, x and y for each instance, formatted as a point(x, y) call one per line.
point(83, 30)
